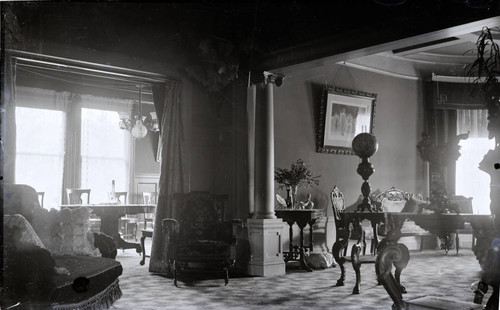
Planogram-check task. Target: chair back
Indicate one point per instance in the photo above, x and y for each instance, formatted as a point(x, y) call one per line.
point(149, 198)
point(75, 195)
point(41, 195)
point(198, 214)
point(338, 205)
point(121, 197)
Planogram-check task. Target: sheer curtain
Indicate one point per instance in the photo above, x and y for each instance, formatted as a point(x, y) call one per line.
point(470, 180)
point(40, 131)
point(105, 149)
point(174, 173)
point(71, 174)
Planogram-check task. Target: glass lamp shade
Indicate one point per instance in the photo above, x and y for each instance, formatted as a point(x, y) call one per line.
point(139, 131)
point(364, 145)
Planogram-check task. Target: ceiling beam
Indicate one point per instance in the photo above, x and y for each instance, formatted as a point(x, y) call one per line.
point(329, 52)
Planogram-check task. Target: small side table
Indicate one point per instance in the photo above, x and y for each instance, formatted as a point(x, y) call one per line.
point(302, 218)
point(145, 233)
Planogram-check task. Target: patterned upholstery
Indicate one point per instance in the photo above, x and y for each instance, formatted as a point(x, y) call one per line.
point(36, 240)
point(199, 238)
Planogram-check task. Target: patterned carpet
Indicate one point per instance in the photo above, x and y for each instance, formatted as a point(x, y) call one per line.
point(428, 273)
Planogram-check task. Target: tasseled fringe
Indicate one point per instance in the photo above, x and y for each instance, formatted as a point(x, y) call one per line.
point(101, 301)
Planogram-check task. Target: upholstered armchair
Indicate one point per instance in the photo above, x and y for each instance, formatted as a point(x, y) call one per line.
point(198, 239)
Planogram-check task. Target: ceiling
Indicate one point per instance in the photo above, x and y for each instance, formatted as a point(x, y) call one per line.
point(449, 56)
point(407, 38)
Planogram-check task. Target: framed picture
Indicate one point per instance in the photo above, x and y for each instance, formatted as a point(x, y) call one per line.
point(344, 113)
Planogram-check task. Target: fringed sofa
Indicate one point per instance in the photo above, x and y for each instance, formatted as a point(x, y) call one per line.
point(51, 259)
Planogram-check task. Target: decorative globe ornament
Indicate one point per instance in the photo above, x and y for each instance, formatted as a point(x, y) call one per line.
point(139, 131)
point(364, 145)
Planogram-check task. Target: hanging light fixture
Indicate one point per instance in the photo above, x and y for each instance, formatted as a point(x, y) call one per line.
point(136, 123)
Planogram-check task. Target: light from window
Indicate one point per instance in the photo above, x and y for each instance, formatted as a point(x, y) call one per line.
point(40, 152)
point(470, 181)
point(105, 154)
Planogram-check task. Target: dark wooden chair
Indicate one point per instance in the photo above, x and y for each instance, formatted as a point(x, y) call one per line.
point(128, 223)
point(198, 239)
point(41, 195)
point(344, 234)
point(75, 196)
point(147, 198)
point(348, 229)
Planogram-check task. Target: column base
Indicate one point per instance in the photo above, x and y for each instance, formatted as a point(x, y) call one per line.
point(265, 245)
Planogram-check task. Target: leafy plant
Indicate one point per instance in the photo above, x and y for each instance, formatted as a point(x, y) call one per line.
point(483, 72)
point(299, 175)
point(486, 66)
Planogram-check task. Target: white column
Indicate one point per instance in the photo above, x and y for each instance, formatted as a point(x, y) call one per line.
point(264, 152)
point(264, 228)
point(251, 98)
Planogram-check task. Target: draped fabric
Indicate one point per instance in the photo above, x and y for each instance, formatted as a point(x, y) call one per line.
point(473, 121)
point(72, 167)
point(174, 173)
point(8, 121)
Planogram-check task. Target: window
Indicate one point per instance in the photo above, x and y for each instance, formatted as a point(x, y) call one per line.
point(470, 181)
point(40, 151)
point(44, 146)
point(105, 153)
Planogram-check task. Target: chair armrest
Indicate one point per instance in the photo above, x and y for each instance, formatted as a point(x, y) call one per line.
point(105, 244)
point(229, 231)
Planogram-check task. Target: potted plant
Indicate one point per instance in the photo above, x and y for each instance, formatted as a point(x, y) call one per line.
point(298, 175)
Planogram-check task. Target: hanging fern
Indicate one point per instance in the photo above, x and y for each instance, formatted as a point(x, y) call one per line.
point(485, 69)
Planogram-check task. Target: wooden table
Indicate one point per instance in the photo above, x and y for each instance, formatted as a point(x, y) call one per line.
point(441, 225)
point(110, 215)
point(302, 218)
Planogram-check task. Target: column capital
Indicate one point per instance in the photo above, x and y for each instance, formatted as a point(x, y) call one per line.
point(274, 78)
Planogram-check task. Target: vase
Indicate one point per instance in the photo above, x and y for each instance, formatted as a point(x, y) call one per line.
point(289, 198)
point(294, 196)
point(309, 203)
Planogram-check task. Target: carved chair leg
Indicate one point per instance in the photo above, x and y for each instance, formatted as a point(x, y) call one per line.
point(482, 289)
point(174, 271)
point(226, 276)
point(401, 264)
point(356, 249)
point(389, 255)
point(143, 260)
point(493, 302)
point(337, 248)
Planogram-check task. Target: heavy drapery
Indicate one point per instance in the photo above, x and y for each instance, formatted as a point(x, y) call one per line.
point(8, 120)
point(174, 173)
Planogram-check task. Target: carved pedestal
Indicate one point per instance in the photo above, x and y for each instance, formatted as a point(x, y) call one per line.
point(265, 244)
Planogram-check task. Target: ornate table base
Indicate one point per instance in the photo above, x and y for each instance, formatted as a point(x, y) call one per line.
point(391, 253)
point(302, 218)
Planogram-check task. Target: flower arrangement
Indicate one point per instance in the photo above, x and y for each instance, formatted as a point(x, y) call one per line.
point(298, 176)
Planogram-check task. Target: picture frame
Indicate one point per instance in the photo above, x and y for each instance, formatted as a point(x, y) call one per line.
point(343, 114)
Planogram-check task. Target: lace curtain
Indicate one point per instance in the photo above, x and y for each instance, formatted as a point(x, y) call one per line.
point(475, 122)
